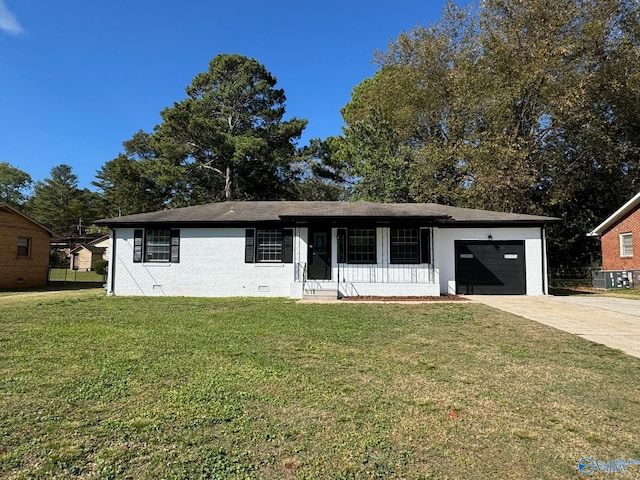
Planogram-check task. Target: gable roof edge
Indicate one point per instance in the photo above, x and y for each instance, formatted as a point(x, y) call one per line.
point(18, 212)
point(617, 215)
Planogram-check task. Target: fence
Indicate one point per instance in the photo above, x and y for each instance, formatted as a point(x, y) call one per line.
point(66, 275)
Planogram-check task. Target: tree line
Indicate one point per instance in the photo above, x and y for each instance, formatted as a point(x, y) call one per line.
point(525, 106)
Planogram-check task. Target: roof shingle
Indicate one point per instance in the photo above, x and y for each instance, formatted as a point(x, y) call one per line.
point(265, 211)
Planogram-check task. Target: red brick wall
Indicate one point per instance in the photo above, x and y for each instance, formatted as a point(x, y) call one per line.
point(611, 259)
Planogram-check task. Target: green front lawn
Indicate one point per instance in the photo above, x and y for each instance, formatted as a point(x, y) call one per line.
point(104, 387)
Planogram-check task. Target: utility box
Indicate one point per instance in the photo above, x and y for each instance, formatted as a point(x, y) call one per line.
point(609, 279)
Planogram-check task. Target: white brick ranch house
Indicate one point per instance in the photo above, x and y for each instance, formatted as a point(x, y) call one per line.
point(293, 249)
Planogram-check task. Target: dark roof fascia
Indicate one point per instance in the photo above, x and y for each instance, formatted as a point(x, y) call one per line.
point(498, 223)
point(347, 220)
point(285, 222)
point(91, 248)
point(441, 222)
point(192, 224)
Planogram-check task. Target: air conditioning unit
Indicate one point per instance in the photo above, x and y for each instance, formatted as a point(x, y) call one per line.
point(610, 279)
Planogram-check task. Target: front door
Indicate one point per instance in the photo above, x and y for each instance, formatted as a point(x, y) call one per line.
point(319, 254)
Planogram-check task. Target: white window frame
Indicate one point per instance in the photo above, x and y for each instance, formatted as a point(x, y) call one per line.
point(404, 240)
point(626, 245)
point(157, 247)
point(269, 243)
point(362, 246)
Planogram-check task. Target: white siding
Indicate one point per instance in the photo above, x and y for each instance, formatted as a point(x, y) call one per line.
point(211, 264)
point(444, 244)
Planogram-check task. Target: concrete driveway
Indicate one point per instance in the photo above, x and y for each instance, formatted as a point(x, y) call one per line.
point(614, 322)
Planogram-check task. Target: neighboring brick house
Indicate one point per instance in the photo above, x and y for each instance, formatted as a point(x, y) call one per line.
point(84, 256)
point(24, 250)
point(620, 237)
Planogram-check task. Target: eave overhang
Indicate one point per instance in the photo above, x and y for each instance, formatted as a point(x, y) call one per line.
point(335, 214)
point(618, 215)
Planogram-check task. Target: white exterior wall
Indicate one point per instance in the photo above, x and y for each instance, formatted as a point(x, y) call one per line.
point(535, 261)
point(211, 265)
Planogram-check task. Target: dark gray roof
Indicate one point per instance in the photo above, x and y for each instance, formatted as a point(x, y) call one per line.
point(246, 212)
point(91, 248)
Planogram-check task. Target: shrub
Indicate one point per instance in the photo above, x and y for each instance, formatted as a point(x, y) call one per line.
point(100, 266)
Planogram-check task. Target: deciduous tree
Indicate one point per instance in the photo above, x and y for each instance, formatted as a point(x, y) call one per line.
point(519, 105)
point(14, 184)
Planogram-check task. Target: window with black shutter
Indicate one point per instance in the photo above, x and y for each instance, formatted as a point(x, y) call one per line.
point(405, 245)
point(410, 245)
point(161, 245)
point(175, 246)
point(287, 245)
point(249, 245)
point(342, 245)
point(138, 235)
point(425, 245)
point(361, 245)
point(268, 245)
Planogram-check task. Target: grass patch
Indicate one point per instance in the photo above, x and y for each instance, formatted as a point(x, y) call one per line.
point(631, 293)
point(104, 387)
point(622, 293)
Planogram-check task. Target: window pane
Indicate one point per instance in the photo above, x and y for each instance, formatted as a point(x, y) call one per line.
point(23, 247)
point(269, 246)
point(158, 246)
point(361, 245)
point(405, 247)
point(626, 245)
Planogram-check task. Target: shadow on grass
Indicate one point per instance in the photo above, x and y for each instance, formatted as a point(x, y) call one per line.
point(62, 285)
point(57, 286)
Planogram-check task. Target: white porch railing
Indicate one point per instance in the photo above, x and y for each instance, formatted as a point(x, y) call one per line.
point(300, 272)
point(418, 273)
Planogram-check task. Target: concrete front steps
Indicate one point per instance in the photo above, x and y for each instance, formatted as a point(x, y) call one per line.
point(320, 291)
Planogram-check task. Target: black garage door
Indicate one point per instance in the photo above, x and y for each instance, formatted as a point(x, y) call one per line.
point(490, 268)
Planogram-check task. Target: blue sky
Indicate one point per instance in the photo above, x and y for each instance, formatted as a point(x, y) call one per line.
point(77, 78)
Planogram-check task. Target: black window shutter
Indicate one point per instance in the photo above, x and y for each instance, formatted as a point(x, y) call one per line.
point(249, 246)
point(175, 246)
point(342, 245)
point(287, 245)
point(425, 245)
point(137, 245)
